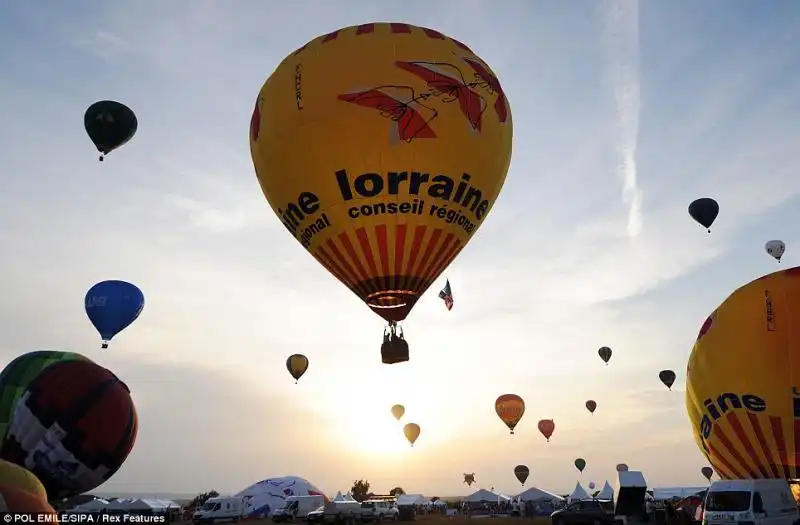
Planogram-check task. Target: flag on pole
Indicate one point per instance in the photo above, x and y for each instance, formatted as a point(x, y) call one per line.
point(447, 295)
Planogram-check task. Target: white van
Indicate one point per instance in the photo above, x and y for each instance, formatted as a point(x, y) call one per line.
point(750, 502)
point(220, 509)
point(297, 507)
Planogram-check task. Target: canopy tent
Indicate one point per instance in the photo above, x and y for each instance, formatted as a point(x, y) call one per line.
point(440, 503)
point(537, 494)
point(578, 493)
point(606, 493)
point(486, 496)
point(405, 500)
point(95, 505)
point(668, 493)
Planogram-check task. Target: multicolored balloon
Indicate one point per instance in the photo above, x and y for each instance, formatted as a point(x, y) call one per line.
point(73, 425)
point(510, 408)
point(12, 475)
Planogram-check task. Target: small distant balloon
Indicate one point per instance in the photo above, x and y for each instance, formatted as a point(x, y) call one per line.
point(546, 427)
point(604, 353)
point(521, 472)
point(411, 431)
point(707, 472)
point(297, 364)
point(667, 377)
point(704, 211)
point(469, 479)
point(622, 467)
point(775, 248)
point(112, 306)
point(109, 125)
point(592, 485)
point(580, 464)
point(591, 405)
point(510, 408)
point(398, 411)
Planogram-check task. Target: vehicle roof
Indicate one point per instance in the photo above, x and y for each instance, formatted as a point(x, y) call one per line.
point(748, 484)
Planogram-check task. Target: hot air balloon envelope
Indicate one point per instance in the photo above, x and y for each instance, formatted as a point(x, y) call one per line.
point(775, 248)
point(521, 472)
point(667, 377)
point(704, 211)
point(745, 423)
point(605, 354)
point(510, 408)
point(297, 364)
point(622, 467)
point(580, 464)
point(707, 472)
point(591, 406)
point(73, 427)
point(546, 427)
point(383, 171)
point(398, 411)
point(112, 306)
point(109, 125)
point(411, 431)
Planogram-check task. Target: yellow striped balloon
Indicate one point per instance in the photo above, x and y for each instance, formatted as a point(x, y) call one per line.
point(743, 381)
point(510, 408)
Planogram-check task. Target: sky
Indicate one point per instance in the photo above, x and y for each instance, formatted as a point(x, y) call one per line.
point(623, 114)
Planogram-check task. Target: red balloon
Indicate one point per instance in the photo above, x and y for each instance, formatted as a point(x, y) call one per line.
point(547, 427)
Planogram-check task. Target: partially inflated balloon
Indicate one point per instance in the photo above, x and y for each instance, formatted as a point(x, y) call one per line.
point(510, 408)
point(580, 464)
point(411, 431)
point(707, 472)
point(297, 364)
point(18, 500)
point(112, 306)
point(775, 248)
point(622, 467)
point(109, 125)
point(704, 211)
point(742, 381)
point(19, 373)
point(522, 472)
point(398, 411)
point(546, 427)
point(591, 406)
point(73, 427)
point(387, 156)
point(12, 475)
point(667, 377)
point(605, 354)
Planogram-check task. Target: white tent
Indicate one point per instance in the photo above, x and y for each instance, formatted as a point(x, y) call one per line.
point(606, 493)
point(410, 499)
point(578, 493)
point(536, 494)
point(95, 505)
point(486, 496)
point(349, 497)
point(339, 497)
point(134, 505)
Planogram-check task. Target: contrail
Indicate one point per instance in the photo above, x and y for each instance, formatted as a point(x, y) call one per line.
point(621, 46)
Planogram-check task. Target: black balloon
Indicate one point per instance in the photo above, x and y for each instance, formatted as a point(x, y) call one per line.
point(109, 125)
point(704, 211)
point(667, 377)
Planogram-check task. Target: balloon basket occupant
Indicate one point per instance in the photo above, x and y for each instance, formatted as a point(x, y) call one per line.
point(394, 348)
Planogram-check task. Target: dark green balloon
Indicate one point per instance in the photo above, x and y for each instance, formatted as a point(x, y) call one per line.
point(109, 125)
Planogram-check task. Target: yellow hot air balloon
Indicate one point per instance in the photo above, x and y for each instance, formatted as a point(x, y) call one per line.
point(297, 364)
point(382, 148)
point(398, 411)
point(13, 475)
point(742, 381)
point(510, 408)
point(411, 431)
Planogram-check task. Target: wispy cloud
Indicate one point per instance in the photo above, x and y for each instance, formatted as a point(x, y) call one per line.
point(621, 42)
